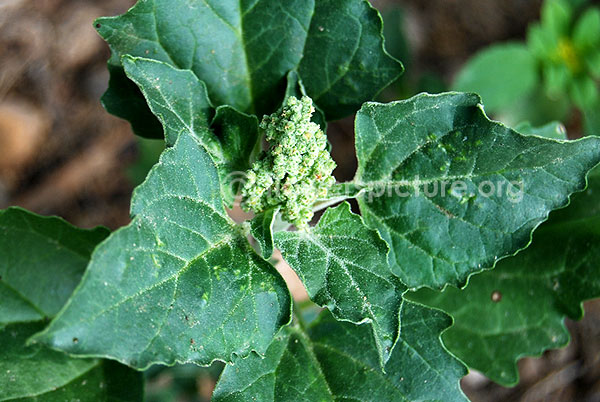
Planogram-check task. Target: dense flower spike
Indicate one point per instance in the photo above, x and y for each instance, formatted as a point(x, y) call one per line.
point(296, 170)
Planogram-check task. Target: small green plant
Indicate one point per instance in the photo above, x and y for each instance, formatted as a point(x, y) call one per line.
point(446, 198)
point(541, 80)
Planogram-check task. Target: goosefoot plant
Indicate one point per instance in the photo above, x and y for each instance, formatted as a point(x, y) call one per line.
point(443, 193)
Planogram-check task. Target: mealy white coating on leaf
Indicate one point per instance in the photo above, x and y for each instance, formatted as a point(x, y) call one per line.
point(297, 168)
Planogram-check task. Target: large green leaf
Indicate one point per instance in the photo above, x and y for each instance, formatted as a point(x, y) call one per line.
point(243, 51)
point(43, 259)
point(40, 374)
point(180, 102)
point(288, 372)
point(453, 192)
point(176, 97)
point(500, 74)
point(344, 63)
point(333, 360)
point(180, 283)
point(518, 308)
point(343, 265)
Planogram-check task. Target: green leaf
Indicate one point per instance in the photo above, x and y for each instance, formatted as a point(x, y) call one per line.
point(180, 283)
point(518, 308)
point(537, 108)
point(584, 92)
point(334, 360)
point(586, 34)
point(583, 207)
point(148, 153)
point(556, 17)
point(343, 265)
point(176, 97)
point(428, 165)
point(261, 228)
point(554, 130)
point(180, 102)
point(288, 372)
point(541, 42)
point(557, 78)
point(344, 62)
point(395, 21)
point(243, 51)
point(591, 120)
point(37, 373)
point(240, 50)
point(124, 99)
point(240, 144)
point(592, 61)
point(500, 74)
point(43, 259)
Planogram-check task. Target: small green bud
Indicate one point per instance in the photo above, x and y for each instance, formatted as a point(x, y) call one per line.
point(297, 169)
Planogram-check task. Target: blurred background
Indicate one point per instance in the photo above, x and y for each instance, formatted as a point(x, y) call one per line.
point(62, 154)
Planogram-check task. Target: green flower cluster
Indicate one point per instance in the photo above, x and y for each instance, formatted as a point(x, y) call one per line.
point(296, 170)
